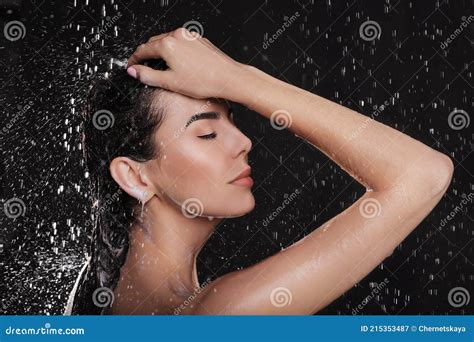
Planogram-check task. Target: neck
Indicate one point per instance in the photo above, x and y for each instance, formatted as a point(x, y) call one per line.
point(164, 245)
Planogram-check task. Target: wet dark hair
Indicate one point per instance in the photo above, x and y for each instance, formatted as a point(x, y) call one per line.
point(120, 118)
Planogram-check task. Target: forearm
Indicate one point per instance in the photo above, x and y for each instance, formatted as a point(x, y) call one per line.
point(371, 152)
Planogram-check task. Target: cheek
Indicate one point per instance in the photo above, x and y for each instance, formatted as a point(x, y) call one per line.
point(193, 170)
point(203, 172)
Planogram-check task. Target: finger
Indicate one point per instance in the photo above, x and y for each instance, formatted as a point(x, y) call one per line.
point(162, 35)
point(152, 39)
point(145, 51)
point(150, 76)
point(191, 35)
point(186, 34)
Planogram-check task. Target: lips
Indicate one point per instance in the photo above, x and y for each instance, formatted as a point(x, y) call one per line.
point(243, 178)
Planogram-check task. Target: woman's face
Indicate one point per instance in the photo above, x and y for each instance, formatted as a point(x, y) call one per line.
point(200, 155)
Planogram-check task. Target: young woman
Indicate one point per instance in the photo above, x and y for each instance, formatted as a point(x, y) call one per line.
point(179, 165)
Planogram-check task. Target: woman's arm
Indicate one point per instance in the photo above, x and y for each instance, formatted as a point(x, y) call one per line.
point(374, 154)
point(405, 177)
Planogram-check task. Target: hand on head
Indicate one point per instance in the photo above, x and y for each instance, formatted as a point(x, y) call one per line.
point(196, 67)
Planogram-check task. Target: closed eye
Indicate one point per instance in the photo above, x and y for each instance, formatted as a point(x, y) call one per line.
point(208, 136)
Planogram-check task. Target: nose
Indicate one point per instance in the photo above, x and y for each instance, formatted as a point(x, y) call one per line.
point(243, 144)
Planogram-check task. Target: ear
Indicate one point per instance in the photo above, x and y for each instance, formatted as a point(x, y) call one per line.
point(131, 179)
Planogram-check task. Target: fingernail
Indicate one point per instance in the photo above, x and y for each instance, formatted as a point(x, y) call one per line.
point(132, 72)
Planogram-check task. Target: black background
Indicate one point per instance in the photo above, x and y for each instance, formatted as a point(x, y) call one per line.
point(43, 76)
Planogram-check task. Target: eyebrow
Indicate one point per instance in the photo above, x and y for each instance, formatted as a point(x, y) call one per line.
point(205, 115)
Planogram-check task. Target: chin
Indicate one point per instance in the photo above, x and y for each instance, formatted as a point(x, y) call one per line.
point(244, 205)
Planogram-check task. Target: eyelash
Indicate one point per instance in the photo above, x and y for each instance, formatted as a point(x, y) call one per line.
point(213, 135)
point(208, 136)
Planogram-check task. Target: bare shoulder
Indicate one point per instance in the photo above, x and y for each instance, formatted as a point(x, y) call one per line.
point(214, 298)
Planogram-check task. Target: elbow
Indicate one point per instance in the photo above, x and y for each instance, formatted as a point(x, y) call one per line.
point(441, 173)
point(425, 182)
